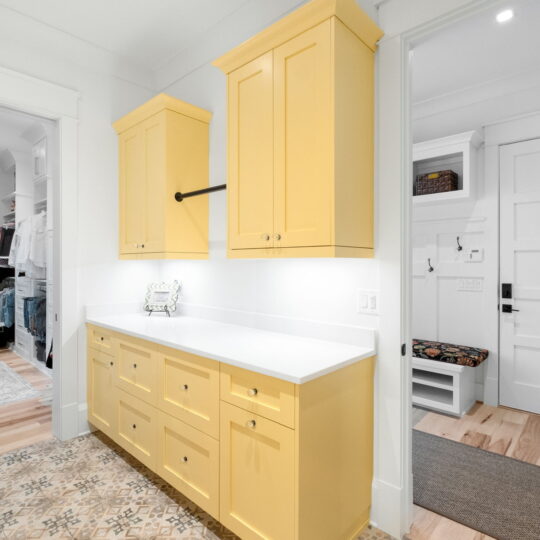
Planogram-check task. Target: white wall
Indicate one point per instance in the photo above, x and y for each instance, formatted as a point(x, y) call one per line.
point(39, 51)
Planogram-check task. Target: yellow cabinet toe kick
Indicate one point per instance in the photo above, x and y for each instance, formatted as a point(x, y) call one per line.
point(268, 458)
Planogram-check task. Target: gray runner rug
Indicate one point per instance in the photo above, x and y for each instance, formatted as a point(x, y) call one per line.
point(493, 494)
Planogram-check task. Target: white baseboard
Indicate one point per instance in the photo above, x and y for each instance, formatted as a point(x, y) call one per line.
point(386, 508)
point(68, 427)
point(479, 391)
point(84, 426)
point(491, 391)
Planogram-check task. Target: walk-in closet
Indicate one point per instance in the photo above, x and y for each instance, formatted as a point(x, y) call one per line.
point(27, 150)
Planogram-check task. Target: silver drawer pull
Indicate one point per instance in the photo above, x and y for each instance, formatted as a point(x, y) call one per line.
point(252, 424)
point(185, 459)
point(252, 392)
point(185, 386)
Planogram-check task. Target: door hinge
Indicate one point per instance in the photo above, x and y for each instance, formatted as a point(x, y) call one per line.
point(403, 349)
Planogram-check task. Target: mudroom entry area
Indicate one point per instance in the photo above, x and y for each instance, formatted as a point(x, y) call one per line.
point(475, 245)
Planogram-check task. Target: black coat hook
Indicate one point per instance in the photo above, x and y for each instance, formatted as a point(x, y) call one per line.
point(430, 268)
point(459, 246)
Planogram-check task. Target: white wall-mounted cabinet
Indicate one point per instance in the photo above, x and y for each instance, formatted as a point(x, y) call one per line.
point(457, 153)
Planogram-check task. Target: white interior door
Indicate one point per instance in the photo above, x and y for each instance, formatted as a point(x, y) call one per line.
point(519, 378)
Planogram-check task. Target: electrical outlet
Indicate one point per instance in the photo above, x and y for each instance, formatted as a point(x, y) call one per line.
point(367, 301)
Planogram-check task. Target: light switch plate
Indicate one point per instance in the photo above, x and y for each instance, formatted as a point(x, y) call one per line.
point(470, 284)
point(367, 301)
point(474, 255)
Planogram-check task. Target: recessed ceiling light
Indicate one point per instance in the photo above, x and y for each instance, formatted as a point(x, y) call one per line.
point(505, 15)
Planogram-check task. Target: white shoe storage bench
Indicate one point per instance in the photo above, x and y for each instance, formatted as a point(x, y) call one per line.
point(444, 386)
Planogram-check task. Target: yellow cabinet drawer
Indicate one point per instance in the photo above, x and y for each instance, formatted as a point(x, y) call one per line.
point(101, 391)
point(137, 366)
point(137, 428)
point(101, 339)
point(189, 461)
point(270, 397)
point(257, 493)
point(189, 389)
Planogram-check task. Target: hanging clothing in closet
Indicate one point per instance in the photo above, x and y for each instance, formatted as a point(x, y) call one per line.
point(35, 321)
point(6, 236)
point(29, 246)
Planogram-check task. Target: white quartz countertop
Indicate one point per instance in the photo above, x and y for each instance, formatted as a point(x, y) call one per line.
point(287, 357)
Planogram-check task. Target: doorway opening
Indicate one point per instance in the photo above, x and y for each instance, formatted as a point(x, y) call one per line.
point(28, 167)
point(475, 290)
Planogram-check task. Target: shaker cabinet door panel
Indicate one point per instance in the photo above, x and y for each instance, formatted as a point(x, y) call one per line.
point(132, 190)
point(257, 498)
point(303, 139)
point(251, 160)
point(101, 399)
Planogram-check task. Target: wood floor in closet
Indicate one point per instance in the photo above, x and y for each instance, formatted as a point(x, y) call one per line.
point(23, 423)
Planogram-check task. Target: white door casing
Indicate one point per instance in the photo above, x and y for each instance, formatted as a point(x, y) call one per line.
point(41, 98)
point(519, 379)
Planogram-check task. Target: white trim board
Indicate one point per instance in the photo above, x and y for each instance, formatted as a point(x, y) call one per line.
point(41, 98)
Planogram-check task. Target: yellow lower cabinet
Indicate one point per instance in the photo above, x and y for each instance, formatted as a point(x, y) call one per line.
point(189, 461)
point(257, 480)
point(189, 389)
point(137, 367)
point(101, 391)
point(137, 428)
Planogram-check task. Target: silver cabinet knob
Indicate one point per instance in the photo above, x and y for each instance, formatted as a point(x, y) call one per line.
point(185, 459)
point(252, 392)
point(265, 237)
point(185, 386)
point(134, 366)
point(142, 245)
point(112, 363)
point(277, 236)
point(134, 426)
point(251, 424)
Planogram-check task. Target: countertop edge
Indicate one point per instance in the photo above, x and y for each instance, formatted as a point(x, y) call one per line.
point(233, 362)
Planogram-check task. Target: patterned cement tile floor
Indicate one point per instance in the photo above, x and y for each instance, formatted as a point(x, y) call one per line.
point(89, 487)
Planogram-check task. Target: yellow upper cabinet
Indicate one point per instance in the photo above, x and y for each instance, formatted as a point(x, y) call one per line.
point(300, 140)
point(163, 149)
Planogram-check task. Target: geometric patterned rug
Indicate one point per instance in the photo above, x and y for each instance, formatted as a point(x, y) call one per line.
point(13, 387)
point(88, 487)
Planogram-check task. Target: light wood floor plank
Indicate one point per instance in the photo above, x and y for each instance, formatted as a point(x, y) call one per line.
point(23, 423)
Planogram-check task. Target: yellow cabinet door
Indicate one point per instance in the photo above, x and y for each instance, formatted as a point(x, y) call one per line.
point(132, 190)
point(189, 389)
point(152, 210)
point(101, 391)
point(251, 159)
point(137, 368)
point(303, 139)
point(189, 461)
point(137, 428)
point(256, 476)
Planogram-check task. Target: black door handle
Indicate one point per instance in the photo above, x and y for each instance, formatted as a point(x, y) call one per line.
point(508, 308)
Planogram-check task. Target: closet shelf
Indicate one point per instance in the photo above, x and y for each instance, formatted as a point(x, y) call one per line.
point(13, 194)
point(42, 202)
point(42, 178)
point(10, 214)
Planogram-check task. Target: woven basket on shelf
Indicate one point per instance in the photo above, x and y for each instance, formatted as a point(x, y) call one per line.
point(436, 182)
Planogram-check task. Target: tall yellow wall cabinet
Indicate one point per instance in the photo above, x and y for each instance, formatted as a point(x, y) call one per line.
point(163, 148)
point(300, 139)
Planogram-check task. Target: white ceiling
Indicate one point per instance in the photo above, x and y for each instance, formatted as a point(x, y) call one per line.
point(148, 32)
point(476, 50)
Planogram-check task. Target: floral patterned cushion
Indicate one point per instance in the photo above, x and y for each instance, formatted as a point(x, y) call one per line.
point(446, 352)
